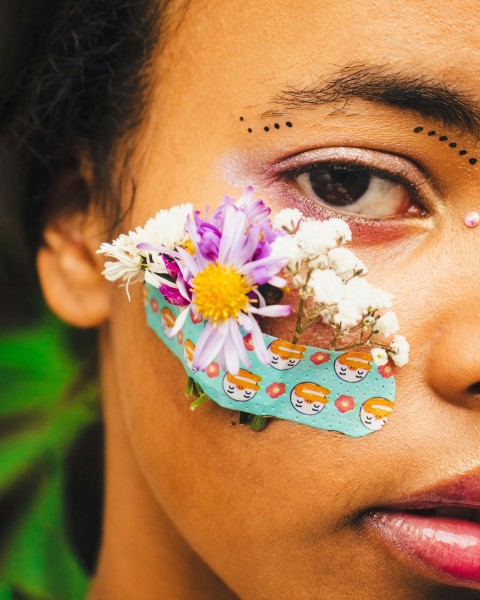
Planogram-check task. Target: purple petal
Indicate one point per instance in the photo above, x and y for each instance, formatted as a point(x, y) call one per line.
point(209, 344)
point(173, 296)
point(231, 360)
point(274, 310)
point(259, 343)
point(237, 343)
point(233, 234)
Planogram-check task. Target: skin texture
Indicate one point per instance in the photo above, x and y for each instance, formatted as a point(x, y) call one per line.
point(196, 506)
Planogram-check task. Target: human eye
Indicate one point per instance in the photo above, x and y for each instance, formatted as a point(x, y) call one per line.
point(359, 182)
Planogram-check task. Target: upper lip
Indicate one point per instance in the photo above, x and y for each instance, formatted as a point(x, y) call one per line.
point(462, 491)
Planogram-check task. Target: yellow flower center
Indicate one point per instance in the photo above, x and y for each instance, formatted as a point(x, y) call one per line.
point(188, 246)
point(220, 292)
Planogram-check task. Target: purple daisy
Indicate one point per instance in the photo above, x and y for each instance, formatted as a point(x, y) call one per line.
point(221, 280)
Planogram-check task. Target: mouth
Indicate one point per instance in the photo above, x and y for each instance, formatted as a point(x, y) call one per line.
point(438, 531)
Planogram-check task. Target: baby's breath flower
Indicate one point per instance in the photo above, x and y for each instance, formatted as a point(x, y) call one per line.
point(380, 357)
point(287, 219)
point(286, 246)
point(326, 286)
point(399, 349)
point(348, 314)
point(387, 324)
point(366, 296)
point(345, 263)
point(316, 237)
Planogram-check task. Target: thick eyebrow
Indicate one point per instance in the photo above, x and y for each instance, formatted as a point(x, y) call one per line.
point(425, 96)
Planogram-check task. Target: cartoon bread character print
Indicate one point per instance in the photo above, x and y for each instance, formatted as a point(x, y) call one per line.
point(241, 387)
point(167, 320)
point(309, 398)
point(188, 350)
point(353, 366)
point(285, 355)
point(375, 412)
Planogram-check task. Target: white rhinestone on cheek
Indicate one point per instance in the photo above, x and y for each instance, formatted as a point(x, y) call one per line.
point(471, 219)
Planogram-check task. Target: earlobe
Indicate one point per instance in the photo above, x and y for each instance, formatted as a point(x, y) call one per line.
point(70, 275)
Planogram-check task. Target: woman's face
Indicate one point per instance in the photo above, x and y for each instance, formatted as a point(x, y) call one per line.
point(265, 93)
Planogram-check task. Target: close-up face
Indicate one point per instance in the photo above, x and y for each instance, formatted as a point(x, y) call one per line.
point(362, 110)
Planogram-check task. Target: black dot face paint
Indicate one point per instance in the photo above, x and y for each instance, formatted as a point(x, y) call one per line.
point(444, 138)
point(266, 128)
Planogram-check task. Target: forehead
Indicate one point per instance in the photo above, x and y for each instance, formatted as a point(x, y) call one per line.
point(248, 49)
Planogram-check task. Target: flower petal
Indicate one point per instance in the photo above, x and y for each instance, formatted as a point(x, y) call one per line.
point(179, 322)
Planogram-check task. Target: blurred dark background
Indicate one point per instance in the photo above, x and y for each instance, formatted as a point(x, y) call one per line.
point(50, 428)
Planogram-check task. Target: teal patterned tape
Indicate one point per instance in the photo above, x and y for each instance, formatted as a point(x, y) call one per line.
point(336, 391)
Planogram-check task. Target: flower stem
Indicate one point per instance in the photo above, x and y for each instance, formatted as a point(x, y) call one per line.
point(199, 401)
point(298, 325)
point(258, 422)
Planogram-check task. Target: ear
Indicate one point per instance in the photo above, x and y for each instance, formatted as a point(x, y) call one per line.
point(68, 267)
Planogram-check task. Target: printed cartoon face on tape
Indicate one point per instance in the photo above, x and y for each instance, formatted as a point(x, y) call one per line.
point(375, 412)
point(188, 350)
point(167, 319)
point(353, 366)
point(309, 398)
point(285, 355)
point(241, 387)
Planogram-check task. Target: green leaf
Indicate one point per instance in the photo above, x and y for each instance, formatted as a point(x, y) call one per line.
point(39, 562)
point(39, 420)
point(18, 455)
point(5, 592)
point(35, 367)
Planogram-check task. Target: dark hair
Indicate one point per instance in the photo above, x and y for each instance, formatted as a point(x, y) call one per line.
point(78, 78)
point(73, 75)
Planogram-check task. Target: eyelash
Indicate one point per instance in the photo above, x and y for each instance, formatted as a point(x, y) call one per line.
point(347, 165)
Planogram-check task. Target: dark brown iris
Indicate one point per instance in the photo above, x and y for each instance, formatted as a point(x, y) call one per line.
point(339, 187)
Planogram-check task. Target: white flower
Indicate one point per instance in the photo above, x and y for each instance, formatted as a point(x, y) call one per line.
point(346, 263)
point(128, 259)
point(380, 357)
point(339, 228)
point(387, 324)
point(287, 219)
point(399, 349)
point(285, 246)
point(368, 320)
point(315, 238)
point(166, 228)
point(367, 297)
point(326, 286)
point(348, 314)
point(319, 262)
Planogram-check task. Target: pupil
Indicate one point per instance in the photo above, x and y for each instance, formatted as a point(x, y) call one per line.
point(339, 186)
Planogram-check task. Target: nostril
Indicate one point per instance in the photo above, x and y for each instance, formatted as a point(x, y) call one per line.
point(474, 389)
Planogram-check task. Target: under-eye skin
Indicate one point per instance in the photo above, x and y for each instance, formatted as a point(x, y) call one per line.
point(356, 183)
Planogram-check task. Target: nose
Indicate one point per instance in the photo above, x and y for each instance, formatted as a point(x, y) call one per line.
point(453, 368)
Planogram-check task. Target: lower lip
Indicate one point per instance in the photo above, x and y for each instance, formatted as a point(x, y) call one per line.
point(447, 548)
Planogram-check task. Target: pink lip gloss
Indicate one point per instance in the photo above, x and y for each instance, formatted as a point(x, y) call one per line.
point(446, 546)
